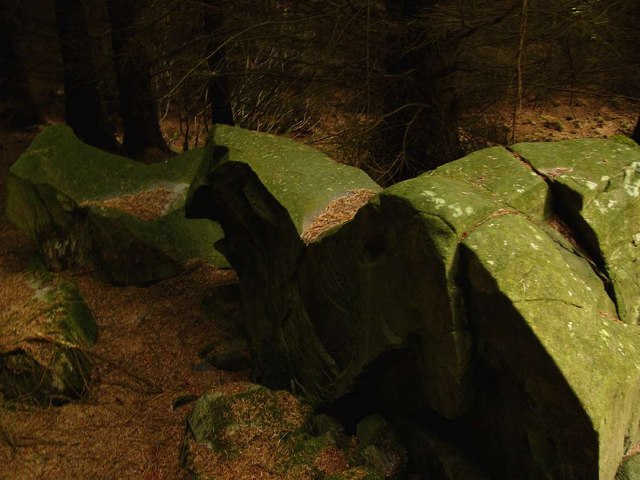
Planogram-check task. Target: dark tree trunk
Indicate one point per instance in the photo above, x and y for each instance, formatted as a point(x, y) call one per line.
point(218, 88)
point(635, 136)
point(138, 104)
point(83, 107)
point(17, 106)
point(420, 127)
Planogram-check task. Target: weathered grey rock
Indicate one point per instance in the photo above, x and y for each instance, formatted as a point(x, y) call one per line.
point(87, 207)
point(43, 338)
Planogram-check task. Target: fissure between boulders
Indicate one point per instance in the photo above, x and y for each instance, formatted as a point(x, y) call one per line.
point(578, 233)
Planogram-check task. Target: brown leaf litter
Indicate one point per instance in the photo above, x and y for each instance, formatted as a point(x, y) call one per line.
point(146, 205)
point(148, 340)
point(337, 212)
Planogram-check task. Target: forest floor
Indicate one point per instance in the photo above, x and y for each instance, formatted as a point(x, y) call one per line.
point(149, 338)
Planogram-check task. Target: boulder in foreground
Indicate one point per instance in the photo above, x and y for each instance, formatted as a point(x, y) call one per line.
point(473, 296)
point(44, 333)
point(245, 431)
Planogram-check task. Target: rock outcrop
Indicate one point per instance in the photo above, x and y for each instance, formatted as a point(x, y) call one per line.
point(493, 298)
point(86, 207)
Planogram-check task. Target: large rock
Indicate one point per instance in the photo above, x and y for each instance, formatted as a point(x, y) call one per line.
point(87, 207)
point(302, 179)
point(470, 296)
point(44, 333)
point(562, 399)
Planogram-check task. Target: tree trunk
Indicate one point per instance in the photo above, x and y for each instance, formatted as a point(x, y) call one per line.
point(635, 136)
point(18, 106)
point(138, 104)
point(218, 88)
point(420, 126)
point(83, 107)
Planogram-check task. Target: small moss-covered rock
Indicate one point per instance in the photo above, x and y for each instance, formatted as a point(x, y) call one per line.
point(222, 305)
point(43, 334)
point(232, 355)
point(356, 473)
point(327, 425)
point(440, 456)
point(381, 447)
point(246, 431)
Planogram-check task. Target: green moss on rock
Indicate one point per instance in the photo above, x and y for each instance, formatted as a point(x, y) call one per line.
point(86, 207)
point(485, 293)
point(597, 182)
point(247, 429)
point(303, 179)
point(42, 351)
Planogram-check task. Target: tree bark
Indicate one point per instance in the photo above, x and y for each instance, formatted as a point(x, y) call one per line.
point(138, 103)
point(18, 106)
point(420, 126)
point(218, 88)
point(83, 106)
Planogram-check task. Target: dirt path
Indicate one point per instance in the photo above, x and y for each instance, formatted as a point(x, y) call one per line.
point(145, 356)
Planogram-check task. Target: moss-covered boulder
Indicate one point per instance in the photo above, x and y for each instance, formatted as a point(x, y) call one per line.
point(565, 370)
point(87, 207)
point(243, 430)
point(472, 297)
point(302, 179)
point(90, 208)
point(45, 330)
point(381, 448)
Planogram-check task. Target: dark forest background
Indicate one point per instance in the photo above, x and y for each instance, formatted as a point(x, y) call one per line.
point(394, 86)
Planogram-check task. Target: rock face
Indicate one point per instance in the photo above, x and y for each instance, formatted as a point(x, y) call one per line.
point(43, 334)
point(597, 184)
point(87, 207)
point(495, 297)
